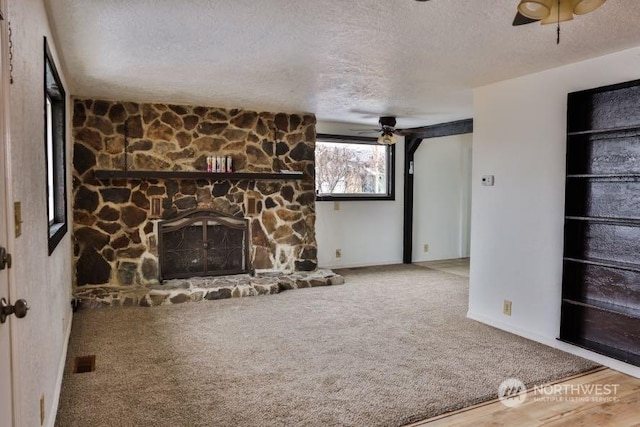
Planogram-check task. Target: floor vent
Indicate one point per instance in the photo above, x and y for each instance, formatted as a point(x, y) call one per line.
point(84, 364)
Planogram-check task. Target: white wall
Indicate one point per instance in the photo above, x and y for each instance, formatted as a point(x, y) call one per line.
point(367, 232)
point(517, 225)
point(442, 198)
point(39, 340)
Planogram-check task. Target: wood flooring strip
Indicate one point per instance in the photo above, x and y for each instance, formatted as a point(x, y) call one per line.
point(555, 409)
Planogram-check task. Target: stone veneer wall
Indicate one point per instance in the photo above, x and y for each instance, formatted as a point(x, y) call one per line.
point(115, 239)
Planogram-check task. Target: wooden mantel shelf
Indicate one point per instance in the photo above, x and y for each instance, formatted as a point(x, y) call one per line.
point(213, 176)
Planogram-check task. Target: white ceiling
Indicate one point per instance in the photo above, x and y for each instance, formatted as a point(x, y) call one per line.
point(344, 60)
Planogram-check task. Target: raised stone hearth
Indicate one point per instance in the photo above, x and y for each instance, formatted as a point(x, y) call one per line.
point(178, 291)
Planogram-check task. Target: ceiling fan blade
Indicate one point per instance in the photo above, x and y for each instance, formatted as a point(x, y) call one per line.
point(363, 131)
point(404, 132)
point(520, 19)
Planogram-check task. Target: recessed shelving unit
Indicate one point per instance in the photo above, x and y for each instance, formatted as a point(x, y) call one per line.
point(195, 175)
point(601, 276)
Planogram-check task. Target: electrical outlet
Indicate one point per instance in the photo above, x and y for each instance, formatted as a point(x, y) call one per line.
point(488, 180)
point(338, 253)
point(336, 206)
point(506, 307)
point(42, 409)
point(426, 247)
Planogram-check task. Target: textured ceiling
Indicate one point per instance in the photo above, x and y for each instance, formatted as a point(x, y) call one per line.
point(343, 60)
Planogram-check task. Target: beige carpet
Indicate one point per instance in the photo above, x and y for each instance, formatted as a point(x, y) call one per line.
point(390, 347)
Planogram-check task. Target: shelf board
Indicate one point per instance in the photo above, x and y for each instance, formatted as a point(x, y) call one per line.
point(606, 176)
point(603, 349)
point(194, 175)
point(608, 130)
point(606, 220)
point(606, 263)
point(605, 306)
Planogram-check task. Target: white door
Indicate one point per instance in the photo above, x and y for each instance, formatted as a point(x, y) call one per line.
point(6, 406)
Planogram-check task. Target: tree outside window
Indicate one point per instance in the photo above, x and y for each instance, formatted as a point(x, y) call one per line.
point(353, 168)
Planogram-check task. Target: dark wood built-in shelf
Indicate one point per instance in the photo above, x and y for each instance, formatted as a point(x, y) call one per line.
point(606, 130)
point(605, 220)
point(194, 175)
point(606, 263)
point(605, 350)
point(606, 176)
point(605, 306)
point(601, 268)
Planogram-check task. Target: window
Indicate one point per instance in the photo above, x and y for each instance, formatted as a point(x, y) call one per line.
point(353, 168)
point(55, 149)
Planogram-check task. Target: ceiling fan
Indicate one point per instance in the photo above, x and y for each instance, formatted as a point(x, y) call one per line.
point(387, 129)
point(553, 11)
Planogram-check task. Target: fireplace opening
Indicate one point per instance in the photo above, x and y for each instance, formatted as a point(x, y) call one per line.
point(203, 242)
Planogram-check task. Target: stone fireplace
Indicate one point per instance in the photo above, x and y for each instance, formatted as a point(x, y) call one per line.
point(118, 222)
point(203, 242)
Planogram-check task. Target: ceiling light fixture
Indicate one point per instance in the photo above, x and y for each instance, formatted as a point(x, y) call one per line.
point(388, 128)
point(556, 11)
point(387, 137)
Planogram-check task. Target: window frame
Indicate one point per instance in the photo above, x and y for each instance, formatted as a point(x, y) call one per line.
point(55, 95)
point(390, 163)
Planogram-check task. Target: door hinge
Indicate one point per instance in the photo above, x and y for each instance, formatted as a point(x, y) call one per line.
point(5, 259)
point(17, 218)
point(10, 31)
